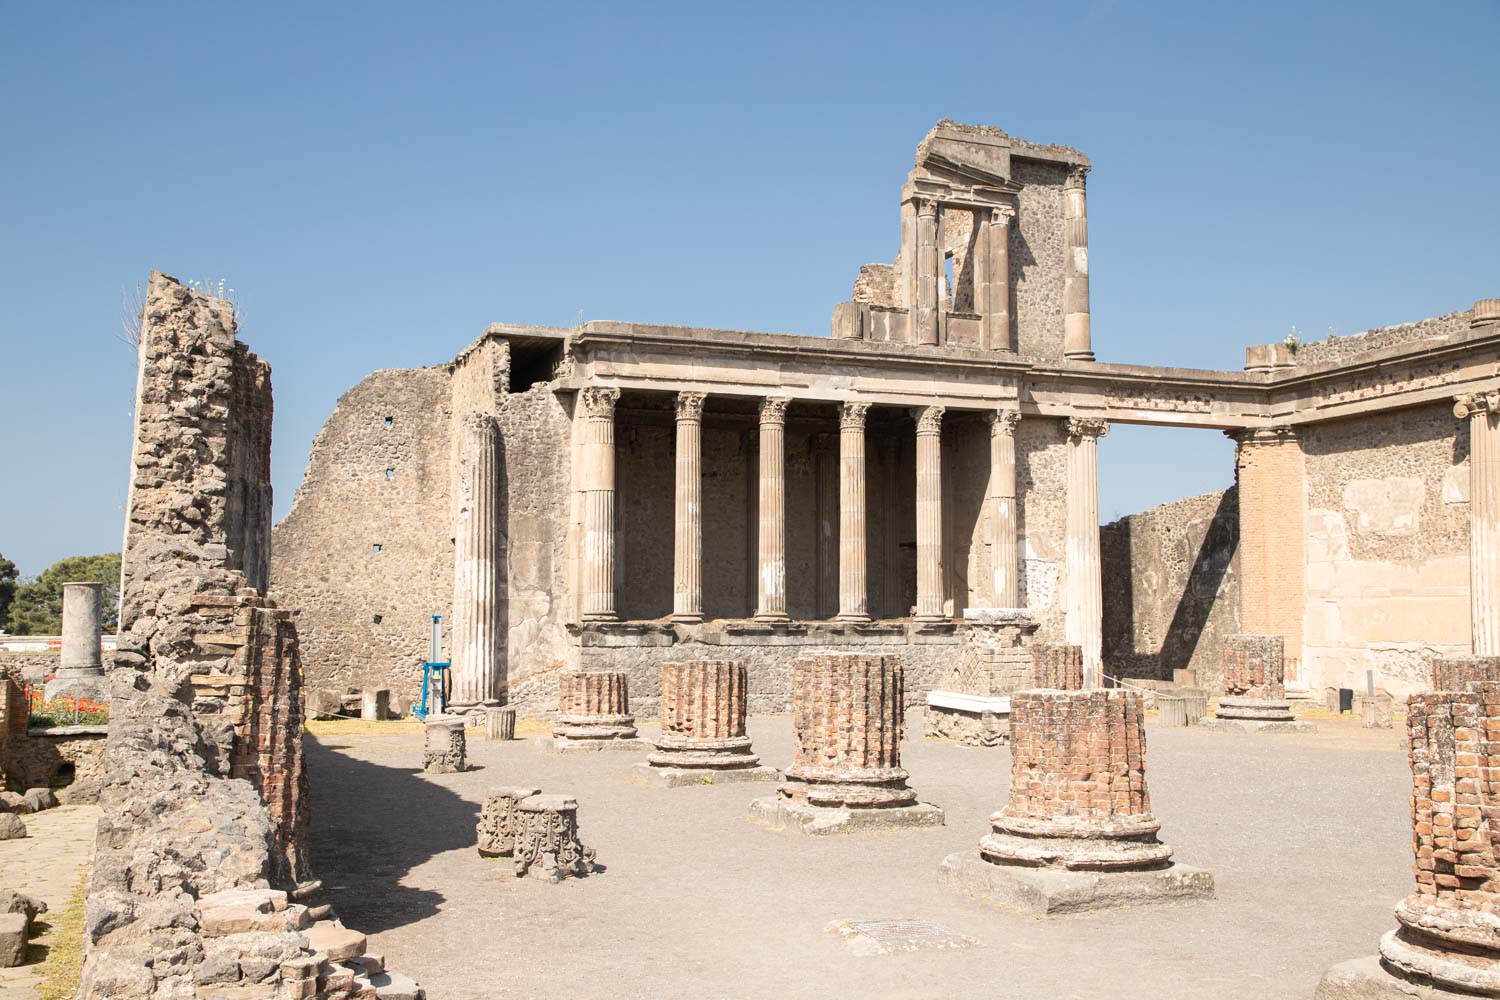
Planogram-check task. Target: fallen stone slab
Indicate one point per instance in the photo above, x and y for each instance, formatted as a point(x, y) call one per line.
point(339, 944)
point(682, 777)
point(1256, 725)
point(1048, 892)
point(41, 798)
point(887, 937)
point(389, 986)
point(11, 827)
point(14, 930)
point(562, 744)
point(781, 814)
point(1369, 979)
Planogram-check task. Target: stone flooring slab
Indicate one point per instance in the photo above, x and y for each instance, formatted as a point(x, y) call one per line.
point(887, 937)
point(777, 813)
point(1050, 892)
point(682, 777)
point(550, 744)
point(1256, 725)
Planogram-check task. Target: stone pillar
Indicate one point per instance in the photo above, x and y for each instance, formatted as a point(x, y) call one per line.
point(848, 715)
point(930, 595)
point(854, 587)
point(479, 624)
point(771, 605)
point(1085, 608)
point(446, 748)
point(597, 472)
point(593, 713)
point(1272, 501)
point(1005, 555)
point(929, 267)
point(687, 578)
point(80, 670)
point(994, 283)
point(703, 741)
point(1077, 344)
point(1483, 413)
point(1059, 668)
point(1254, 693)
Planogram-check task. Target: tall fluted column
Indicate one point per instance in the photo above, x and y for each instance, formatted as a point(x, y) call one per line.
point(597, 472)
point(1085, 621)
point(928, 267)
point(1483, 411)
point(854, 603)
point(478, 568)
point(1076, 338)
point(994, 310)
point(930, 596)
point(772, 534)
point(1005, 557)
point(687, 576)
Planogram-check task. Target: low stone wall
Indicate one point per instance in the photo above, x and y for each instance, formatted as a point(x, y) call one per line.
point(68, 759)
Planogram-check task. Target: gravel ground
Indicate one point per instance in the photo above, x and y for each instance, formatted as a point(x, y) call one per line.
point(1307, 837)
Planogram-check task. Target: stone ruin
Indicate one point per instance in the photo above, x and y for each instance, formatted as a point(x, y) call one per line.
point(1056, 667)
point(540, 832)
point(496, 832)
point(200, 881)
point(848, 713)
point(993, 661)
point(446, 747)
point(80, 668)
point(1254, 698)
point(1447, 939)
point(593, 714)
point(1078, 832)
point(703, 741)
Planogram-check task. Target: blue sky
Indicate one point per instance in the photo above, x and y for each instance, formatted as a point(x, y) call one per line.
point(380, 181)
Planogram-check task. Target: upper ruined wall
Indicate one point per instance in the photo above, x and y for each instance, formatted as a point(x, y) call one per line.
point(1351, 348)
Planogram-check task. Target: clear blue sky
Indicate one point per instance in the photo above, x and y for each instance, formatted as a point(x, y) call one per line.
point(380, 181)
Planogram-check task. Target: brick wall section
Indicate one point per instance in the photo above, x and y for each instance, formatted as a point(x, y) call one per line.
point(703, 700)
point(1078, 754)
point(847, 713)
point(1254, 666)
point(1057, 667)
point(1272, 504)
point(595, 694)
point(1457, 672)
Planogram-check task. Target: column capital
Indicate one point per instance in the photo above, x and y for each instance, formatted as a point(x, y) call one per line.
point(927, 206)
point(852, 415)
point(773, 410)
point(1249, 437)
point(1003, 423)
point(689, 405)
point(1001, 215)
point(1077, 175)
point(1082, 427)
point(1471, 403)
point(599, 401)
point(929, 419)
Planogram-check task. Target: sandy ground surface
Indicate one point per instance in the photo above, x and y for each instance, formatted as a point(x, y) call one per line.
point(1307, 837)
point(46, 863)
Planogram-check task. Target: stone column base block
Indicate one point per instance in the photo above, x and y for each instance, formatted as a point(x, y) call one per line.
point(500, 723)
point(1075, 851)
point(595, 727)
point(546, 844)
point(869, 788)
point(726, 753)
point(1256, 725)
point(781, 813)
point(1260, 709)
point(446, 749)
point(665, 776)
point(1445, 964)
point(1370, 979)
point(1050, 892)
point(497, 820)
point(566, 744)
point(86, 687)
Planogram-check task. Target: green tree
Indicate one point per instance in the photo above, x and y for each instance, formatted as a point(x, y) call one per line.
point(8, 575)
point(36, 608)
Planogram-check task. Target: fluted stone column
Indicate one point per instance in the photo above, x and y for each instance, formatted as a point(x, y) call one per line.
point(994, 284)
point(772, 534)
point(597, 472)
point(1077, 344)
point(1483, 413)
point(853, 583)
point(930, 595)
point(687, 577)
point(478, 568)
point(1005, 555)
point(1085, 607)
point(929, 267)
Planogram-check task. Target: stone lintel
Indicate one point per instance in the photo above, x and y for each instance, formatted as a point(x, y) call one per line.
point(1047, 892)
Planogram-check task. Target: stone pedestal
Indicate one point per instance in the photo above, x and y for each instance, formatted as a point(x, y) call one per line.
point(375, 706)
point(846, 774)
point(546, 839)
point(1254, 698)
point(80, 669)
point(703, 741)
point(500, 723)
point(1376, 711)
point(1447, 938)
point(993, 661)
point(446, 750)
point(497, 820)
point(593, 714)
point(1078, 804)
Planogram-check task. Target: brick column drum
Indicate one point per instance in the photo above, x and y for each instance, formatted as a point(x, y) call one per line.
point(1254, 697)
point(594, 713)
point(848, 716)
point(1078, 802)
point(703, 739)
point(1059, 668)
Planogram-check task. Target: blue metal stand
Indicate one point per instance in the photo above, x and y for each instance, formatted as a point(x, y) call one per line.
point(434, 667)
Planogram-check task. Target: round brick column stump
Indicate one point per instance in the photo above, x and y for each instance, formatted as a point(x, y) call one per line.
point(497, 820)
point(594, 713)
point(1254, 696)
point(703, 741)
point(848, 713)
point(446, 750)
point(546, 840)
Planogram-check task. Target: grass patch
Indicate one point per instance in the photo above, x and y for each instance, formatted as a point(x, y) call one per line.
point(63, 967)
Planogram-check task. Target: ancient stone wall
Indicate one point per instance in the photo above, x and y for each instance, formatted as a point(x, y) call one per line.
point(1171, 587)
point(1387, 583)
point(1037, 250)
point(1350, 348)
point(1041, 523)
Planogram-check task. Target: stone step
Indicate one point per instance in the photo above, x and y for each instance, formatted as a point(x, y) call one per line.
point(321, 912)
point(336, 942)
point(368, 965)
point(390, 986)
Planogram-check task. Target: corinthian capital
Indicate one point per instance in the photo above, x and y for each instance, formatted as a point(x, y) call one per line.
point(1003, 423)
point(690, 405)
point(852, 416)
point(930, 420)
point(1082, 427)
point(773, 410)
point(599, 401)
point(1472, 403)
point(1076, 176)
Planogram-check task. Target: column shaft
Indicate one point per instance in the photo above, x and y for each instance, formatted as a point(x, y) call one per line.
point(478, 567)
point(928, 265)
point(930, 596)
point(995, 307)
point(853, 583)
point(1483, 412)
point(687, 574)
point(772, 533)
point(597, 470)
point(1005, 556)
point(1085, 616)
point(1077, 343)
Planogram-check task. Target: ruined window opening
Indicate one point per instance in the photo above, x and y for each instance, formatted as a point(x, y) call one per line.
point(377, 547)
point(950, 290)
point(64, 775)
point(390, 473)
point(390, 422)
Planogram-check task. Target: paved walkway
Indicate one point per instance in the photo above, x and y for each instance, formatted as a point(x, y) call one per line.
point(46, 864)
